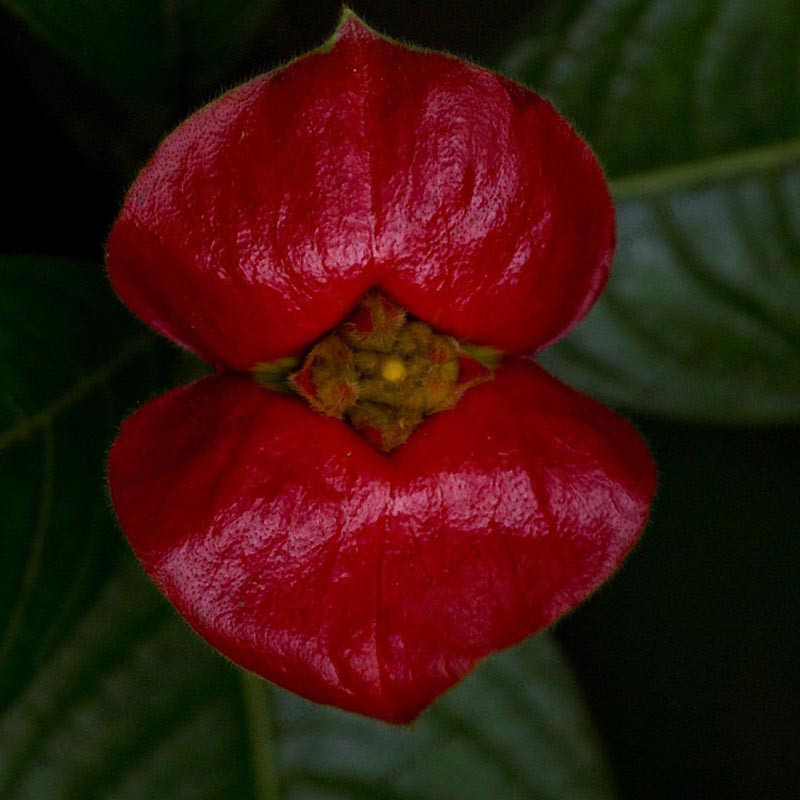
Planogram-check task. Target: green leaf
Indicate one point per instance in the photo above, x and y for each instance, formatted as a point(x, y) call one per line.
point(694, 108)
point(147, 52)
point(134, 705)
point(118, 74)
point(72, 362)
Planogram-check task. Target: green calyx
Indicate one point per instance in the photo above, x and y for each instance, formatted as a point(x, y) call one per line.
point(384, 373)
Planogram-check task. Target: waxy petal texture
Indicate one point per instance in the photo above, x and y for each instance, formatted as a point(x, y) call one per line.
point(262, 219)
point(369, 582)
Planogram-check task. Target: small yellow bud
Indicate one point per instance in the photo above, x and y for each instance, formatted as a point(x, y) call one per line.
point(393, 370)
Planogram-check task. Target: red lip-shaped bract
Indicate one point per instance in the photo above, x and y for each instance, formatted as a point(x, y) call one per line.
point(367, 580)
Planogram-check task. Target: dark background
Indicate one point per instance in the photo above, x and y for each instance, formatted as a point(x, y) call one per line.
point(64, 201)
point(688, 655)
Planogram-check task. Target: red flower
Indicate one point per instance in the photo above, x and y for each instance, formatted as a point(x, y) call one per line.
point(283, 530)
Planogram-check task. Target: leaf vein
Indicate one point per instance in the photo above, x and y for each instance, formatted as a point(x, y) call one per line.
point(82, 388)
point(729, 166)
point(36, 549)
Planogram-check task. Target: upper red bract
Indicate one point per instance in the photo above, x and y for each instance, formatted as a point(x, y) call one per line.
point(369, 581)
point(465, 197)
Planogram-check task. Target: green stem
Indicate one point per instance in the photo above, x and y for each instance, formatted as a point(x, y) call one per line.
point(256, 695)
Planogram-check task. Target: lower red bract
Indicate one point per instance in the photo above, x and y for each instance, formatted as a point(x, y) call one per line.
point(372, 581)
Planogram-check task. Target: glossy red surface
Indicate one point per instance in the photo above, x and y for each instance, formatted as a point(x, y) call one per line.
point(260, 222)
point(369, 581)
point(365, 580)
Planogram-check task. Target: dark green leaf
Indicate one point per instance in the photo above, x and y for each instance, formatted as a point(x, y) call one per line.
point(118, 74)
point(72, 362)
point(134, 706)
point(694, 107)
point(145, 52)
